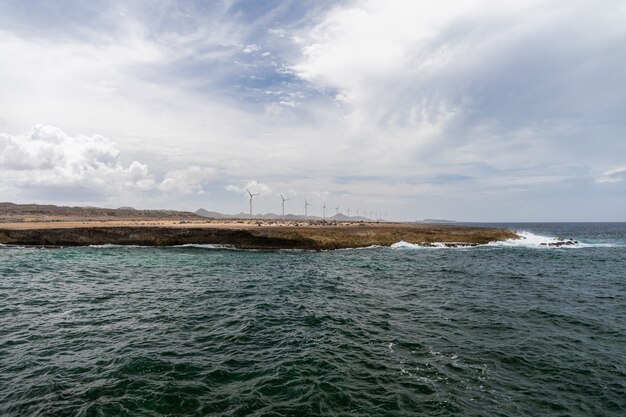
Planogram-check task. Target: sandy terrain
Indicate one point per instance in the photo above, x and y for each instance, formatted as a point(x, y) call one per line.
point(208, 223)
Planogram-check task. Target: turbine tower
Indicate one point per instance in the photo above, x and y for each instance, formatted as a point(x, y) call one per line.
point(251, 195)
point(337, 211)
point(306, 204)
point(284, 199)
point(348, 211)
point(324, 210)
point(357, 212)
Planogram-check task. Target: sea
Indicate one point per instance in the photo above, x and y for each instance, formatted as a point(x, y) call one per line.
point(516, 328)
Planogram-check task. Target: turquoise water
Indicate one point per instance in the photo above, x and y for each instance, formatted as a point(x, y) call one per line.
point(513, 329)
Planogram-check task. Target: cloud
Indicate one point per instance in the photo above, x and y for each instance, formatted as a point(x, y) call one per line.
point(425, 73)
point(248, 49)
point(452, 107)
point(253, 186)
point(613, 175)
point(86, 166)
point(47, 157)
point(187, 181)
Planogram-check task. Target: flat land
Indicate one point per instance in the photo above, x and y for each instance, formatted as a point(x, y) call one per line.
point(244, 234)
point(81, 226)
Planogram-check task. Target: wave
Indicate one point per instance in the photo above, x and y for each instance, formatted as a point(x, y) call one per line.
point(526, 240)
point(205, 246)
point(186, 245)
point(532, 240)
point(406, 245)
point(113, 246)
point(356, 248)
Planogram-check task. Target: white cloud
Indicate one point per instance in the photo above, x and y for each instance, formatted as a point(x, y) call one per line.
point(47, 157)
point(121, 84)
point(613, 175)
point(372, 102)
point(253, 186)
point(248, 49)
point(187, 181)
point(430, 68)
point(377, 56)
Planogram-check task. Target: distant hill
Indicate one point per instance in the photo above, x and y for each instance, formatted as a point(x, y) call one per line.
point(436, 221)
point(212, 214)
point(267, 216)
point(11, 212)
point(343, 218)
point(20, 212)
point(273, 216)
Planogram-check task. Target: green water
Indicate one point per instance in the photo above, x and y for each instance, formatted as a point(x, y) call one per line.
point(489, 331)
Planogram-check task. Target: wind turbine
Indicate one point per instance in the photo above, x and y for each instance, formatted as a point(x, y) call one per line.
point(284, 199)
point(306, 204)
point(357, 212)
point(337, 211)
point(348, 211)
point(324, 208)
point(251, 195)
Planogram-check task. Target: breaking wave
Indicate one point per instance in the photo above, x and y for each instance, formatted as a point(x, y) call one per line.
point(205, 246)
point(406, 245)
point(532, 240)
point(526, 240)
point(114, 246)
point(187, 245)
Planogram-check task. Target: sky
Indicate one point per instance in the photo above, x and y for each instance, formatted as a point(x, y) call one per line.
point(464, 110)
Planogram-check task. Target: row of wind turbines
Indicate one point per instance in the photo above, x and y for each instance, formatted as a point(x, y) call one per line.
point(373, 214)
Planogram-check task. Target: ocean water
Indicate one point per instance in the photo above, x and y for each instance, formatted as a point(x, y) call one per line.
point(508, 329)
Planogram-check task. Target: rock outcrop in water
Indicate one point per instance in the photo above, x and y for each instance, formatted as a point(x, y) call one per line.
point(561, 242)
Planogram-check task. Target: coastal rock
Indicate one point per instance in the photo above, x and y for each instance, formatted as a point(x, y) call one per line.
point(253, 236)
point(561, 242)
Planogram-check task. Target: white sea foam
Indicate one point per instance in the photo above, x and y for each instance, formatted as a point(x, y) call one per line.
point(186, 245)
point(205, 246)
point(406, 245)
point(532, 240)
point(113, 246)
point(351, 249)
point(526, 240)
point(12, 246)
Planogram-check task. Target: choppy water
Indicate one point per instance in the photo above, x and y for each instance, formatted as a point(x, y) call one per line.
point(508, 330)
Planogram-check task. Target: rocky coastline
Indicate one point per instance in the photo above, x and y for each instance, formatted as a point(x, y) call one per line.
point(308, 237)
point(47, 225)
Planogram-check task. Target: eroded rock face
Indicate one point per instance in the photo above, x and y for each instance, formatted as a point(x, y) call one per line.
point(270, 237)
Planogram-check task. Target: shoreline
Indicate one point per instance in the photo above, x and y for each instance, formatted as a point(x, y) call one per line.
point(248, 234)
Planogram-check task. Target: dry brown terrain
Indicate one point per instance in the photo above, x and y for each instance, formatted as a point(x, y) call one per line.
point(156, 228)
point(19, 213)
